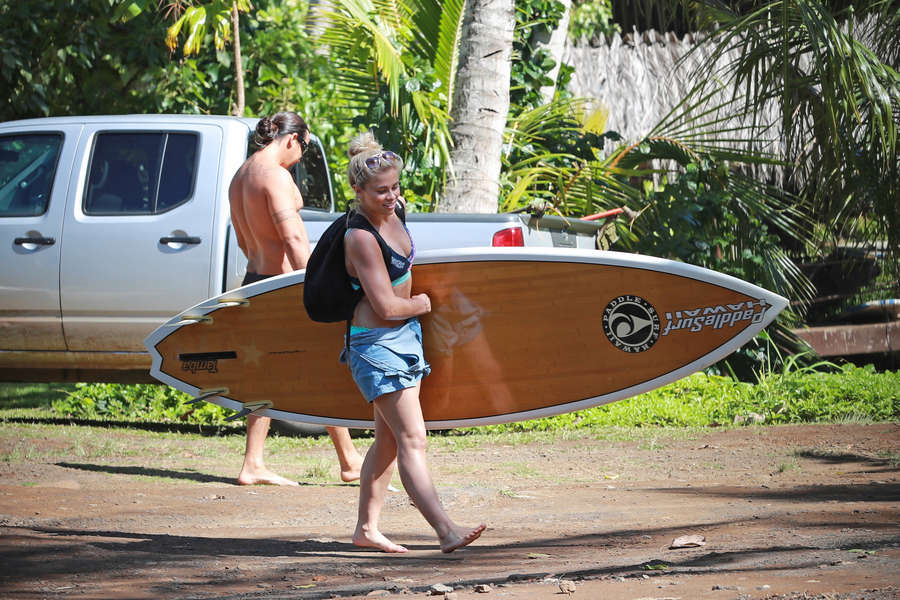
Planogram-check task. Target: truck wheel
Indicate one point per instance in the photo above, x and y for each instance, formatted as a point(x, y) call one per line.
point(295, 429)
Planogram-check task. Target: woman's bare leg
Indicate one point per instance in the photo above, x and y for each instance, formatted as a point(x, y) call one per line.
point(375, 476)
point(402, 413)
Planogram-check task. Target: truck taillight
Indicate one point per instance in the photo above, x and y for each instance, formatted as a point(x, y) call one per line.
point(508, 237)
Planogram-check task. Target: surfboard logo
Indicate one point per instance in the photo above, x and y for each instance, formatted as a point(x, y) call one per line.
point(631, 323)
point(204, 361)
point(716, 317)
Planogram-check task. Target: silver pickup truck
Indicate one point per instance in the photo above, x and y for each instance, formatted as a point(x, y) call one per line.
point(111, 224)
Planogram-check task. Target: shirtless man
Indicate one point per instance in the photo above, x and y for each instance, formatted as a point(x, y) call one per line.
point(264, 211)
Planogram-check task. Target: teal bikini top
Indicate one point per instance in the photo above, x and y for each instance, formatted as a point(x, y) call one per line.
point(399, 267)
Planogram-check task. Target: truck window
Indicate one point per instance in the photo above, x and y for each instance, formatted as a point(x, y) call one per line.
point(310, 176)
point(27, 167)
point(140, 173)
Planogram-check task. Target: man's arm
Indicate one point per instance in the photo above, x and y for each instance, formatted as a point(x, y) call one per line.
point(284, 204)
point(234, 202)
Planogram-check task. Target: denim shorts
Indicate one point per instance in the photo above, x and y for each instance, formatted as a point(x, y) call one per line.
point(387, 359)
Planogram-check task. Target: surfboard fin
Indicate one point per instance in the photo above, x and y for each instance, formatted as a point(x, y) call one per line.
point(225, 302)
point(191, 319)
point(207, 393)
point(249, 408)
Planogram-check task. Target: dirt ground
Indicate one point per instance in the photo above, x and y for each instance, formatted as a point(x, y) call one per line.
point(786, 512)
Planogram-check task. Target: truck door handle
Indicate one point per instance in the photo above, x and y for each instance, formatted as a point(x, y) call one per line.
point(179, 239)
point(40, 241)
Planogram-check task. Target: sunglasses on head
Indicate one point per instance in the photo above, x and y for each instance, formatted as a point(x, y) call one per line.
point(303, 144)
point(387, 157)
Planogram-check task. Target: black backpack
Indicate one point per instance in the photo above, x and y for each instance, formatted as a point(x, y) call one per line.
point(327, 293)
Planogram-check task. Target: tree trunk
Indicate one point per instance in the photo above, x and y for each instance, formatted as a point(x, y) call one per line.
point(555, 43)
point(238, 64)
point(480, 107)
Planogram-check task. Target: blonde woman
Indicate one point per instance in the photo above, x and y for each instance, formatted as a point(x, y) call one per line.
point(385, 350)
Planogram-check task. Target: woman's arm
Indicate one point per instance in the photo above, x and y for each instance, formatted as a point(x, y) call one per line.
point(364, 255)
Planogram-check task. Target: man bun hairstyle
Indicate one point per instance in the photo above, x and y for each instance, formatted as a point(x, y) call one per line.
point(362, 147)
point(283, 123)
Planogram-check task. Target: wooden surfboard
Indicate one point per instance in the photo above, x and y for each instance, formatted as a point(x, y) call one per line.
point(514, 334)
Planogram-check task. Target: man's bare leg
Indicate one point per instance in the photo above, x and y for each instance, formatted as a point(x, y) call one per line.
point(350, 459)
point(254, 471)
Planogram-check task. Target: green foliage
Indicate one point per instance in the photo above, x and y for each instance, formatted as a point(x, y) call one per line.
point(802, 395)
point(592, 21)
point(700, 218)
point(197, 20)
point(105, 65)
point(794, 394)
point(282, 70)
point(31, 395)
point(809, 395)
point(73, 57)
point(394, 66)
point(535, 21)
point(831, 69)
point(138, 403)
point(550, 161)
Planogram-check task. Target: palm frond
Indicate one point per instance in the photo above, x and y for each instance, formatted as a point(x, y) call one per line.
point(446, 57)
point(833, 76)
point(201, 20)
point(538, 169)
point(358, 34)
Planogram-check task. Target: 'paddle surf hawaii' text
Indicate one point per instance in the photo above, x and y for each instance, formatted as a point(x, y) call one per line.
point(716, 317)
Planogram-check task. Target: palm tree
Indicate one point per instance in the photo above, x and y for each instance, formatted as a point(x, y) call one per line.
point(480, 107)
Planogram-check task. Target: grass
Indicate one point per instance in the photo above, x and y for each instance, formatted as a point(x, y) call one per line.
point(891, 457)
point(126, 451)
point(18, 442)
point(787, 466)
point(681, 410)
point(319, 470)
point(520, 470)
point(32, 399)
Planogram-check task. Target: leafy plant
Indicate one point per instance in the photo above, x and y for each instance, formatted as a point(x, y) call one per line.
point(142, 403)
point(798, 394)
point(86, 63)
point(831, 69)
point(592, 21)
point(395, 63)
point(535, 21)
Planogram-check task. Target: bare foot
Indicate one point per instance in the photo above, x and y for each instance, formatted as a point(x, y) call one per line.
point(375, 539)
point(264, 477)
point(352, 473)
point(460, 537)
